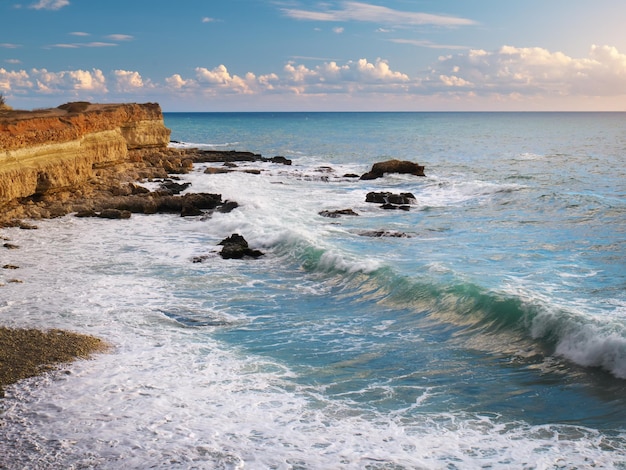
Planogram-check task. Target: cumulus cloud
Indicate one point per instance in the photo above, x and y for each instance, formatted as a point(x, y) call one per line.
point(509, 74)
point(14, 80)
point(533, 70)
point(127, 81)
point(70, 80)
point(365, 12)
point(49, 4)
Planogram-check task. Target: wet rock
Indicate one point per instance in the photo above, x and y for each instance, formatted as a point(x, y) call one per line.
point(114, 214)
point(337, 213)
point(280, 159)
point(173, 187)
point(393, 166)
point(10, 266)
point(10, 246)
point(384, 233)
point(236, 247)
point(390, 198)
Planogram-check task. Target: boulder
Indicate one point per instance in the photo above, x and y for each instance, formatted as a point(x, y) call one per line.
point(390, 198)
point(236, 247)
point(393, 166)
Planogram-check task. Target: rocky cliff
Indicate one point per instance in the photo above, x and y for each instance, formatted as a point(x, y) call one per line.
point(56, 149)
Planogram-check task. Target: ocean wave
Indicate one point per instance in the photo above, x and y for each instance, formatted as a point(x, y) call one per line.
point(584, 339)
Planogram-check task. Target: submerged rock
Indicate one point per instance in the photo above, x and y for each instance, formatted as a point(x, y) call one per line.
point(337, 213)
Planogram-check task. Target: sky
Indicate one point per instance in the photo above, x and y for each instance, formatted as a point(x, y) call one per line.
point(331, 55)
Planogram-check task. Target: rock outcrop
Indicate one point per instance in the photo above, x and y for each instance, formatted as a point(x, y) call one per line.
point(56, 149)
point(393, 166)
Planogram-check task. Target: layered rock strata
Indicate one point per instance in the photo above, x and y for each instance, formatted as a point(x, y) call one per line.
point(59, 149)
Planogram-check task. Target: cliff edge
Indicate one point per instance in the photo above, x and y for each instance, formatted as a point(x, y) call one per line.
point(62, 148)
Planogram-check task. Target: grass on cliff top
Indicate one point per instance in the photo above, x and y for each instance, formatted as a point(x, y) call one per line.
point(28, 352)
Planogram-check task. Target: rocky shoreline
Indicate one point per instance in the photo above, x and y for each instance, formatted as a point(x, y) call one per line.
point(100, 156)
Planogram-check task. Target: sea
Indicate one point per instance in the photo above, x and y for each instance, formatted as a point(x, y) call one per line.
point(482, 328)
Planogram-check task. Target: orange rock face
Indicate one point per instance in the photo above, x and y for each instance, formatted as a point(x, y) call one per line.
point(48, 150)
point(19, 129)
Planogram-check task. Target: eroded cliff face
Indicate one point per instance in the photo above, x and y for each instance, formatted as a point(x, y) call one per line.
point(56, 149)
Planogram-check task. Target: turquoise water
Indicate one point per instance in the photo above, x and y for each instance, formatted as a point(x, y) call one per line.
point(490, 334)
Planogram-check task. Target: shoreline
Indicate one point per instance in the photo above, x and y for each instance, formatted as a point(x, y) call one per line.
point(26, 353)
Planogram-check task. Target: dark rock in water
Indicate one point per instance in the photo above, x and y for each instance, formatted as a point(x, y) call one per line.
point(173, 187)
point(393, 166)
point(337, 213)
point(214, 171)
point(351, 175)
point(10, 266)
point(10, 246)
point(86, 213)
point(279, 159)
point(384, 233)
point(190, 211)
point(227, 207)
point(114, 214)
point(390, 198)
point(236, 247)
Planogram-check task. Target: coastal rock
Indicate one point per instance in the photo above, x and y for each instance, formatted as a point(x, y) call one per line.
point(390, 198)
point(337, 213)
point(236, 247)
point(56, 149)
point(114, 214)
point(393, 166)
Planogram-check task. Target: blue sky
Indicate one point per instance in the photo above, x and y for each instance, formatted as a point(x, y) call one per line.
point(284, 55)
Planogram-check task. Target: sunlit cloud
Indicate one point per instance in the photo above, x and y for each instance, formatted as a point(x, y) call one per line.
point(13, 61)
point(6, 45)
point(127, 81)
point(79, 33)
point(49, 4)
point(365, 12)
point(69, 80)
point(506, 75)
point(208, 19)
point(338, 30)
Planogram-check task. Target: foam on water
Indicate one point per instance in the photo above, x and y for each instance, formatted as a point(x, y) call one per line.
point(476, 341)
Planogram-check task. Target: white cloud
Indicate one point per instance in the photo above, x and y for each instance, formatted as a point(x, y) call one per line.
point(127, 81)
point(79, 33)
point(208, 19)
point(119, 37)
point(13, 61)
point(69, 80)
point(534, 70)
point(365, 12)
point(6, 45)
point(338, 30)
point(177, 82)
point(49, 4)
point(219, 77)
point(14, 80)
